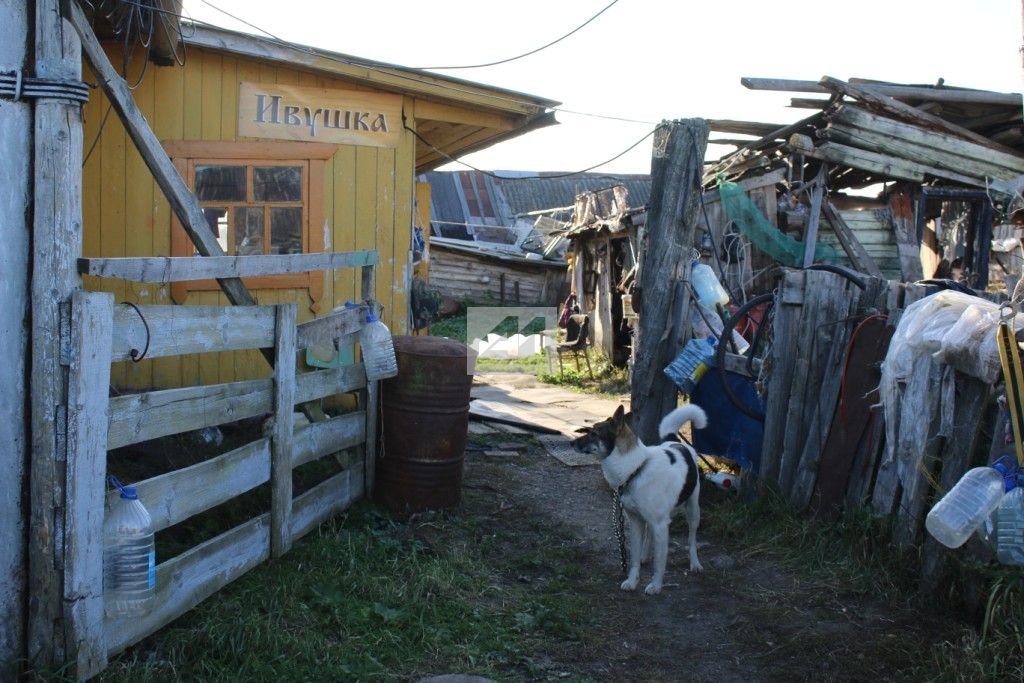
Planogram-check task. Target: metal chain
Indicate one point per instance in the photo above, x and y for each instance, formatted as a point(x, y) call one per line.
point(618, 523)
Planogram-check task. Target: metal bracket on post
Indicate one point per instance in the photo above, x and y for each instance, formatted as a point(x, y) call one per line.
point(16, 85)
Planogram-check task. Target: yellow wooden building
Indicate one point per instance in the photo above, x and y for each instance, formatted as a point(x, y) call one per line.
point(289, 150)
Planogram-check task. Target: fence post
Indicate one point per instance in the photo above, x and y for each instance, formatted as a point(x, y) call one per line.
point(371, 398)
point(285, 336)
point(92, 322)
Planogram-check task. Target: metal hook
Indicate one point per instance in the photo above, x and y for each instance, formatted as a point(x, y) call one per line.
point(134, 353)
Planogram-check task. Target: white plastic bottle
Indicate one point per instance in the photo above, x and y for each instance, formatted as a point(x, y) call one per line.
point(1010, 528)
point(378, 349)
point(710, 292)
point(963, 509)
point(129, 556)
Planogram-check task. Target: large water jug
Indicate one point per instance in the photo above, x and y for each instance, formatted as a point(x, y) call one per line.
point(129, 556)
point(710, 292)
point(956, 516)
point(1010, 528)
point(378, 349)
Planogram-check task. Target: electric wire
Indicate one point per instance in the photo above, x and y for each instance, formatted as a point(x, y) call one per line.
point(525, 54)
point(545, 177)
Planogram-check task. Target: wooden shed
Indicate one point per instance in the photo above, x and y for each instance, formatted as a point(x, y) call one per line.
point(290, 149)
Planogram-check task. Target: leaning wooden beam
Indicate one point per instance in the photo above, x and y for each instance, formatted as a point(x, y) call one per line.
point(905, 111)
point(817, 195)
point(859, 256)
point(184, 204)
point(905, 91)
point(164, 269)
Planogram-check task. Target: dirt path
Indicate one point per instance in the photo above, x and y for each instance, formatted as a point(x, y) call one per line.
point(742, 619)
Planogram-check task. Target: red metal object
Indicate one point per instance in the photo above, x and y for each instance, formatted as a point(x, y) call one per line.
point(424, 420)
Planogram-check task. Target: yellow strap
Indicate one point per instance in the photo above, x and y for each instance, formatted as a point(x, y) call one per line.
point(1009, 356)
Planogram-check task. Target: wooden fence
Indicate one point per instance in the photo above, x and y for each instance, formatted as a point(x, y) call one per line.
point(99, 333)
point(824, 445)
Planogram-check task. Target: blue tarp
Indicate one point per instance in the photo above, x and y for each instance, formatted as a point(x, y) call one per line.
point(730, 433)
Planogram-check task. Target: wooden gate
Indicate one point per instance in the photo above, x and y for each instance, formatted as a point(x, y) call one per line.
point(99, 333)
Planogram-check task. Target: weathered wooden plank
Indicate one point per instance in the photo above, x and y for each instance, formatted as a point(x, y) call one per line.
point(140, 417)
point(15, 269)
point(859, 256)
point(811, 234)
point(56, 242)
point(322, 438)
point(920, 440)
point(325, 499)
point(926, 156)
point(281, 443)
point(372, 403)
point(892, 90)
point(785, 331)
point(907, 112)
point(177, 495)
point(188, 579)
point(661, 296)
point(835, 332)
point(901, 209)
point(164, 269)
point(972, 397)
point(310, 386)
point(89, 377)
point(323, 331)
point(755, 128)
point(181, 330)
point(182, 201)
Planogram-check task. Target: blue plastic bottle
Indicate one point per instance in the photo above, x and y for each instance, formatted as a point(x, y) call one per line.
point(689, 365)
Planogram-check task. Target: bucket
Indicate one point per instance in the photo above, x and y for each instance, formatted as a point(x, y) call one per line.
point(423, 425)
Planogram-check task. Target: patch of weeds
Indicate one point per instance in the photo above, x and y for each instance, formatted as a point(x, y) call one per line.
point(608, 379)
point(371, 596)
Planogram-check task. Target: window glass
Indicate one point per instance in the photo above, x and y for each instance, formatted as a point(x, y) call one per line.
point(277, 184)
point(248, 231)
point(217, 219)
point(220, 183)
point(285, 230)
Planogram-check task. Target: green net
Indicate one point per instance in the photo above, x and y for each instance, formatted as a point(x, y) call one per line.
point(758, 229)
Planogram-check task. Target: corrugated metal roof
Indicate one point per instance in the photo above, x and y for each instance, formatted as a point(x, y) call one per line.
point(522, 194)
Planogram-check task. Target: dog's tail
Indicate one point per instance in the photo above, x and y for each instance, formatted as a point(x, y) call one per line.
point(671, 423)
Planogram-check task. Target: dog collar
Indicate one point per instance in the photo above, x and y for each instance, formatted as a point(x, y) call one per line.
point(630, 478)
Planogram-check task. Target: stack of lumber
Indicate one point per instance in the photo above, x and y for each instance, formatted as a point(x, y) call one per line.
point(875, 132)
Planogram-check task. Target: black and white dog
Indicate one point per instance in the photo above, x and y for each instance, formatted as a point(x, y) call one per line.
point(653, 483)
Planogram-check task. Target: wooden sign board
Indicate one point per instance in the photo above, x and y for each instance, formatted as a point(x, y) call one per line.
point(343, 117)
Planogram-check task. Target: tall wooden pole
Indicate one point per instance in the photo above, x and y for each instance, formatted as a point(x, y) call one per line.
point(15, 227)
point(56, 244)
point(676, 170)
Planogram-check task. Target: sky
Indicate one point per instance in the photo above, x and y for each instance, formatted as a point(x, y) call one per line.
point(652, 60)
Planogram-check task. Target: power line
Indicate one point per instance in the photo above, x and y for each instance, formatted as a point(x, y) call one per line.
point(271, 38)
point(544, 177)
point(525, 54)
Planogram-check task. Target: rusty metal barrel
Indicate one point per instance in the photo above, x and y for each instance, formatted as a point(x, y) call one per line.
point(423, 424)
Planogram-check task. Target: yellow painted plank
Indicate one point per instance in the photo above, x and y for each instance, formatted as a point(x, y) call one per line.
point(212, 81)
point(169, 124)
point(112, 213)
point(138, 223)
point(229, 98)
point(384, 213)
point(192, 97)
point(344, 221)
point(365, 218)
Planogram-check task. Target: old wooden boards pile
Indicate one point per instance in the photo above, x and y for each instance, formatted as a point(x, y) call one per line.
point(824, 435)
point(870, 132)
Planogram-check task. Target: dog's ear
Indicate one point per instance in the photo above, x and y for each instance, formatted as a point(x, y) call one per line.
point(584, 430)
point(625, 438)
point(619, 414)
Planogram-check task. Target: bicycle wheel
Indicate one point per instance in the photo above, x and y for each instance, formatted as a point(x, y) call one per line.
point(758, 348)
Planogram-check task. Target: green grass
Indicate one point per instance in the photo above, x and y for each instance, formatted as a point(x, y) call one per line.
point(371, 597)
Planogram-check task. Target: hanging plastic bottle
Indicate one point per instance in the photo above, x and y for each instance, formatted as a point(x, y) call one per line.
point(710, 293)
point(378, 349)
point(129, 555)
point(1009, 523)
point(963, 509)
point(690, 364)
